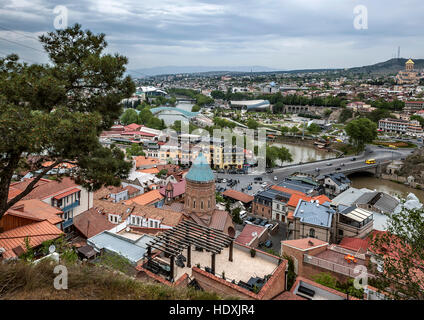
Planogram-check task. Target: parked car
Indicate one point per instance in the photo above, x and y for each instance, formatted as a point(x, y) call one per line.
point(329, 164)
point(264, 184)
point(269, 171)
point(258, 221)
point(258, 179)
point(269, 225)
point(317, 169)
point(275, 178)
point(268, 244)
point(243, 214)
point(263, 223)
point(224, 181)
point(353, 159)
point(338, 169)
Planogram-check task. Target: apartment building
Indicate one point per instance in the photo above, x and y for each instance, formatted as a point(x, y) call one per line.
point(412, 127)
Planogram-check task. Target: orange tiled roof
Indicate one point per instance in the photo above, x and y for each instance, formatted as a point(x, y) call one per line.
point(37, 233)
point(237, 195)
point(305, 243)
point(149, 170)
point(288, 190)
point(295, 198)
point(167, 217)
point(146, 198)
point(45, 188)
point(145, 161)
point(36, 210)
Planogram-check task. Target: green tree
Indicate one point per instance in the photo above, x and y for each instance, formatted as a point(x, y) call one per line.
point(400, 253)
point(275, 153)
point(252, 124)
point(361, 131)
point(345, 115)
point(314, 128)
point(419, 119)
point(195, 108)
point(284, 130)
point(134, 150)
point(57, 111)
point(294, 130)
point(129, 116)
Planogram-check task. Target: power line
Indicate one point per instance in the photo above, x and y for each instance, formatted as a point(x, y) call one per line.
point(20, 44)
point(19, 33)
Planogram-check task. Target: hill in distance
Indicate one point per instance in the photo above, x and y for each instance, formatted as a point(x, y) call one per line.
point(391, 66)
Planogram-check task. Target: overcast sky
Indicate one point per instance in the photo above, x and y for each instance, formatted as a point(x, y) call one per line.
point(281, 34)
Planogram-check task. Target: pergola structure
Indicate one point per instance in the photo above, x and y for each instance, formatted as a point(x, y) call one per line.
point(187, 234)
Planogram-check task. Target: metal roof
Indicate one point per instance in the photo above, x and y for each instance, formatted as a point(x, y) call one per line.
point(132, 250)
point(314, 213)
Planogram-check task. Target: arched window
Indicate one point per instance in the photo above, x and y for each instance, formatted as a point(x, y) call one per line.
point(209, 203)
point(201, 205)
point(312, 233)
point(194, 203)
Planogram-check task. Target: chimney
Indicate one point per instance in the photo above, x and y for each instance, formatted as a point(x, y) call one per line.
point(19, 208)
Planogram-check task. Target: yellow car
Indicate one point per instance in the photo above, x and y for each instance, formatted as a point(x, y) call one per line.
point(370, 161)
point(392, 146)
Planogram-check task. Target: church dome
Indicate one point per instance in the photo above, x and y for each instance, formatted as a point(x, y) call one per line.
point(200, 171)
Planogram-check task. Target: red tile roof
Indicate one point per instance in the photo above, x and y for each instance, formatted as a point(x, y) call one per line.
point(36, 210)
point(91, 222)
point(45, 188)
point(355, 244)
point(306, 243)
point(66, 193)
point(246, 236)
point(37, 233)
point(178, 188)
point(237, 195)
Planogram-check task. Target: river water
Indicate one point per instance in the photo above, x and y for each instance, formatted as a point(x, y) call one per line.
point(303, 153)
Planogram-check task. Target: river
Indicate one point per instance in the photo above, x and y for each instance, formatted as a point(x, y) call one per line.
point(395, 189)
point(304, 153)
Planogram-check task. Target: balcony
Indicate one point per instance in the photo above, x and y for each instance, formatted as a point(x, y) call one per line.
point(68, 223)
point(71, 206)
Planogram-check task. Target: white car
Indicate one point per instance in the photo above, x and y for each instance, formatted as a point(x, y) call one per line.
point(263, 185)
point(243, 214)
point(224, 180)
point(275, 178)
point(269, 225)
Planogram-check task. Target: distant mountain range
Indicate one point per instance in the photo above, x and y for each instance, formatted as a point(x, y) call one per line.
point(196, 69)
point(391, 66)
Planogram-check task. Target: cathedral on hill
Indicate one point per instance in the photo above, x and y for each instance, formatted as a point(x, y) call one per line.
point(409, 75)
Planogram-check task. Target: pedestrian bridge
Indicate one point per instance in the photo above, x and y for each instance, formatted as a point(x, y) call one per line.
point(173, 110)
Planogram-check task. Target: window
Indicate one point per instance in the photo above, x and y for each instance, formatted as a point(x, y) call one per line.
point(340, 232)
point(201, 205)
point(312, 233)
point(209, 203)
point(194, 203)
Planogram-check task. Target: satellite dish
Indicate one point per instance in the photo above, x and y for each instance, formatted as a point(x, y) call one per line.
point(254, 234)
point(52, 248)
point(127, 229)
